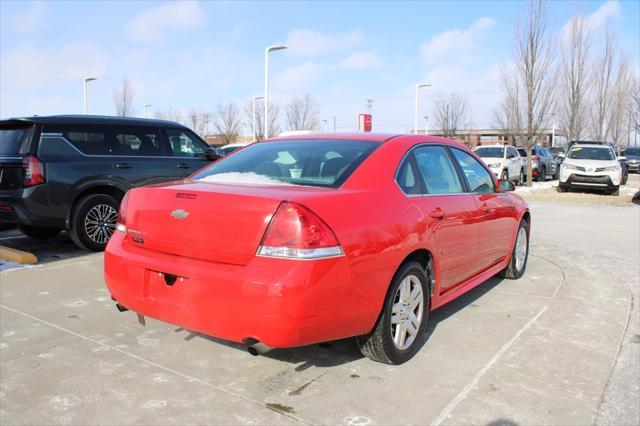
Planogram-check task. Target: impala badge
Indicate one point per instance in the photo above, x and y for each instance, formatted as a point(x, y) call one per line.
point(180, 214)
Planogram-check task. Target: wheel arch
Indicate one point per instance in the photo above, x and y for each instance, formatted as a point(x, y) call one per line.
point(426, 259)
point(115, 191)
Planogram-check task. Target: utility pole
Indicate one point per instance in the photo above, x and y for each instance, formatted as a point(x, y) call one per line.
point(369, 105)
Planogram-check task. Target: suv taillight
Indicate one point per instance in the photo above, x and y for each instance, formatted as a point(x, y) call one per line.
point(121, 225)
point(535, 158)
point(32, 171)
point(295, 232)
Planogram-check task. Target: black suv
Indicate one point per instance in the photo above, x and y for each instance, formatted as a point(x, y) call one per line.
point(70, 172)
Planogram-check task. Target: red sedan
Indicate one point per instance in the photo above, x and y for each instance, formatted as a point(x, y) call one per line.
point(302, 240)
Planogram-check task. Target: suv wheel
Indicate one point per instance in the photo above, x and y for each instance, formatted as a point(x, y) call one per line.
point(542, 176)
point(93, 221)
point(399, 332)
point(615, 191)
point(38, 231)
point(505, 175)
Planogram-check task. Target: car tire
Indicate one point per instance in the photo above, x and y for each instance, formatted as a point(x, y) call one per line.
point(615, 192)
point(505, 175)
point(521, 178)
point(625, 176)
point(386, 343)
point(562, 188)
point(93, 221)
point(520, 254)
point(542, 176)
point(39, 232)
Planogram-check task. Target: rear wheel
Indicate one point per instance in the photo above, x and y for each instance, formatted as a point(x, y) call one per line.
point(542, 175)
point(521, 178)
point(615, 191)
point(93, 221)
point(505, 175)
point(397, 335)
point(519, 255)
point(38, 231)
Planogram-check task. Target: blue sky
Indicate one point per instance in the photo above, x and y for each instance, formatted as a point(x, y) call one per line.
point(198, 54)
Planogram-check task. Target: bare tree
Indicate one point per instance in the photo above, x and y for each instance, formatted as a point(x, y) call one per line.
point(619, 106)
point(533, 75)
point(123, 99)
point(634, 109)
point(169, 114)
point(227, 121)
point(199, 121)
point(574, 79)
point(603, 82)
point(274, 113)
point(302, 114)
point(450, 114)
point(508, 116)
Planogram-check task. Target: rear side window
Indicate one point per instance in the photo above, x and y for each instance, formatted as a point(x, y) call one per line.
point(139, 142)
point(438, 172)
point(325, 163)
point(14, 138)
point(88, 142)
point(407, 178)
point(477, 176)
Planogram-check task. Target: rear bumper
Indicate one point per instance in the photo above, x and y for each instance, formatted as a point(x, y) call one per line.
point(281, 303)
point(28, 206)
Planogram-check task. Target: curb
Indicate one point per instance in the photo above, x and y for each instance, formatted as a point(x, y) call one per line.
point(17, 256)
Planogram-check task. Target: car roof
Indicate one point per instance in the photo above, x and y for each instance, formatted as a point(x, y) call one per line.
point(591, 145)
point(97, 119)
point(370, 137)
point(495, 145)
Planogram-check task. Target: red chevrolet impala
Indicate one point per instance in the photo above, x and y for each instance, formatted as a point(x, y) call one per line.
point(309, 239)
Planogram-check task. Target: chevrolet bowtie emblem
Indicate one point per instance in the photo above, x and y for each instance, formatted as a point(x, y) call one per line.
point(180, 214)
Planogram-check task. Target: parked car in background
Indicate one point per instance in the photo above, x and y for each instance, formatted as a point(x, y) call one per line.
point(504, 161)
point(543, 164)
point(229, 148)
point(71, 172)
point(558, 154)
point(632, 158)
point(591, 166)
point(302, 240)
point(621, 158)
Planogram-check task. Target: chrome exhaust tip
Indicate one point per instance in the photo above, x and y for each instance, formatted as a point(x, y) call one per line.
point(258, 349)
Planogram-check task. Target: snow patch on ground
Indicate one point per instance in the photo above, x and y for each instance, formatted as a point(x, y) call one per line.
point(537, 186)
point(5, 265)
point(244, 178)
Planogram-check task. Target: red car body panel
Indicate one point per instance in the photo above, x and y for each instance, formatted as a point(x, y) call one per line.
point(225, 290)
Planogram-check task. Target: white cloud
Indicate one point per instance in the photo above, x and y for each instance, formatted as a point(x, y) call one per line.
point(27, 66)
point(456, 45)
point(609, 10)
point(29, 20)
point(312, 43)
point(152, 24)
point(301, 76)
point(361, 60)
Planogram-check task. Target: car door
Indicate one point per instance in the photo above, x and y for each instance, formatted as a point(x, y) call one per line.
point(495, 210)
point(451, 213)
point(138, 155)
point(188, 152)
point(513, 162)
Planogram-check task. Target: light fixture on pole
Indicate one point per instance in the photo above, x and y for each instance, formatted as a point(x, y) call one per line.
point(268, 50)
point(86, 80)
point(324, 125)
point(146, 108)
point(253, 116)
point(415, 116)
point(426, 125)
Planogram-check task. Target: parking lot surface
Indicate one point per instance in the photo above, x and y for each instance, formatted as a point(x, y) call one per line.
point(559, 346)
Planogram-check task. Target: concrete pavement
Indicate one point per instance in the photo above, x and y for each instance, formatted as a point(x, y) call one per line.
point(559, 346)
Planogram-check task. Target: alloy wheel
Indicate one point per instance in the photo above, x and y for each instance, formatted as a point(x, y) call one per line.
point(100, 223)
point(521, 248)
point(407, 312)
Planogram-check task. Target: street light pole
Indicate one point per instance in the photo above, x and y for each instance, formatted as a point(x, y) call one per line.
point(426, 125)
point(553, 129)
point(415, 116)
point(253, 116)
point(334, 124)
point(266, 85)
point(86, 80)
point(146, 107)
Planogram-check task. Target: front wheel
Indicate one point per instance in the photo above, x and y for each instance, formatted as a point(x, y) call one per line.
point(521, 178)
point(398, 333)
point(38, 232)
point(93, 221)
point(519, 255)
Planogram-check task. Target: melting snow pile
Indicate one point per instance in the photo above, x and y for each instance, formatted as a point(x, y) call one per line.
point(537, 186)
point(249, 178)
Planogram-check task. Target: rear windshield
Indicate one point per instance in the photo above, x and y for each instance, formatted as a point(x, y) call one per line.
point(522, 151)
point(490, 152)
point(325, 163)
point(591, 153)
point(12, 138)
point(635, 152)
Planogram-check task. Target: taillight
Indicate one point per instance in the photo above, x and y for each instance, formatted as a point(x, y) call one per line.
point(535, 158)
point(32, 171)
point(121, 225)
point(296, 232)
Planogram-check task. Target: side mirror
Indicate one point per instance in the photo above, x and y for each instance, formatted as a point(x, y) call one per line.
point(505, 186)
point(623, 158)
point(211, 154)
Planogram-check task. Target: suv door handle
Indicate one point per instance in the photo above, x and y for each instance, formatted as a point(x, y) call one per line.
point(123, 165)
point(183, 165)
point(437, 213)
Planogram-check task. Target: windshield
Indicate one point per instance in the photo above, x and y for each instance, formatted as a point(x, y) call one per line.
point(591, 153)
point(226, 150)
point(11, 139)
point(631, 152)
point(325, 163)
point(523, 152)
point(490, 152)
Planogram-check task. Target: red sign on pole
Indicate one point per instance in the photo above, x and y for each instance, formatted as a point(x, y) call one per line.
point(364, 122)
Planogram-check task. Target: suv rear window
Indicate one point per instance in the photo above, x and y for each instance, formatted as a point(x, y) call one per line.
point(324, 163)
point(13, 138)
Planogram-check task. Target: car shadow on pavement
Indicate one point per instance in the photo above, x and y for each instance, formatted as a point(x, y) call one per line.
point(339, 352)
point(46, 250)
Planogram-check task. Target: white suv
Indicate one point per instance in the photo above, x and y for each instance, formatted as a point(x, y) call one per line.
point(591, 166)
point(504, 161)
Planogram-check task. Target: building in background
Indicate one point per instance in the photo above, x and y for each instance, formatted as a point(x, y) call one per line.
point(475, 137)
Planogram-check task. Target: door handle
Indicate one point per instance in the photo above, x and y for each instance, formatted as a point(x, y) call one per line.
point(123, 165)
point(183, 165)
point(485, 208)
point(437, 213)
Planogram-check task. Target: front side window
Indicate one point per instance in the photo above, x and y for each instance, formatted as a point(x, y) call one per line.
point(438, 173)
point(477, 176)
point(185, 144)
point(137, 142)
point(322, 163)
